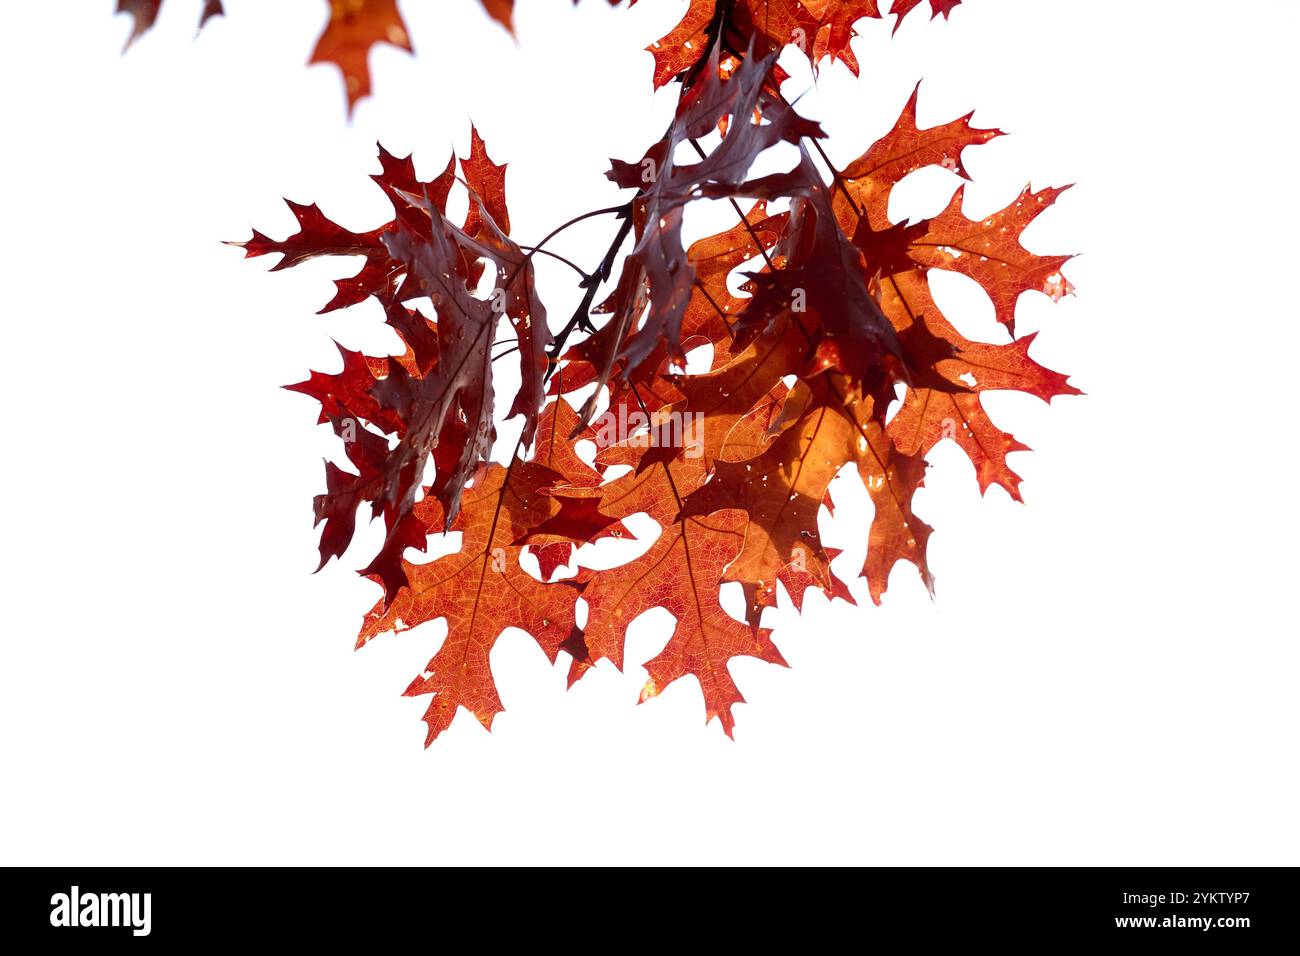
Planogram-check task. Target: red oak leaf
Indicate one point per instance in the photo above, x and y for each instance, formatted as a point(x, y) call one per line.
point(929, 416)
point(681, 573)
point(481, 590)
point(989, 251)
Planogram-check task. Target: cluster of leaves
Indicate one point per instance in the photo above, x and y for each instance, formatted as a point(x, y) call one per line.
point(834, 321)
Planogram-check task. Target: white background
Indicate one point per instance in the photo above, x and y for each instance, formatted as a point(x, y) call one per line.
point(1107, 675)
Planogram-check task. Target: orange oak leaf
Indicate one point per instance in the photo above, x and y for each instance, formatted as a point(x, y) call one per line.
point(928, 416)
point(988, 250)
point(681, 573)
point(869, 180)
point(705, 637)
point(354, 27)
point(481, 590)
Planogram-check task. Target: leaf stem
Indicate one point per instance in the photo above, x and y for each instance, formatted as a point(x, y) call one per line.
point(580, 318)
point(623, 208)
point(557, 256)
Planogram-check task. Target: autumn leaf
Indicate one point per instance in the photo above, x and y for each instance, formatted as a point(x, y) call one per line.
point(679, 573)
point(927, 417)
point(869, 180)
point(897, 256)
point(682, 573)
point(988, 250)
point(354, 27)
point(481, 590)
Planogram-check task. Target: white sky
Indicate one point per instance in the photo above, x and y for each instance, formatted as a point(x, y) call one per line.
point(1107, 675)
